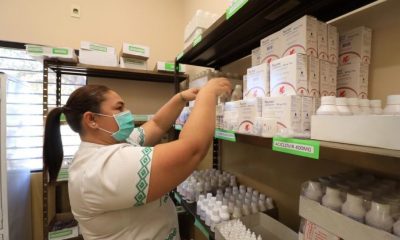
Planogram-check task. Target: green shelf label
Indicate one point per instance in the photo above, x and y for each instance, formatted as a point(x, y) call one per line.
point(180, 55)
point(197, 40)
point(225, 135)
point(98, 48)
point(136, 49)
point(202, 229)
point(299, 147)
point(236, 5)
point(61, 51)
point(35, 49)
point(60, 233)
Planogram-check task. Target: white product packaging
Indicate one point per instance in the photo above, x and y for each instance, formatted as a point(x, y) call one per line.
point(46, 52)
point(132, 63)
point(332, 79)
point(312, 231)
point(333, 44)
point(91, 46)
point(135, 51)
point(255, 57)
point(287, 112)
point(306, 113)
point(219, 114)
point(288, 76)
point(194, 35)
point(231, 116)
point(249, 110)
point(301, 37)
point(169, 67)
point(355, 45)
point(258, 81)
point(271, 47)
point(327, 75)
point(352, 80)
point(313, 77)
point(98, 58)
point(323, 41)
point(245, 83)
point(265, 127)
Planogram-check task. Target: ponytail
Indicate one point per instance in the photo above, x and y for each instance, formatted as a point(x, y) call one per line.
point(53, 153)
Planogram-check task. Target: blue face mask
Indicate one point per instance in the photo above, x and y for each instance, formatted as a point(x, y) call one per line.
point(125, 124)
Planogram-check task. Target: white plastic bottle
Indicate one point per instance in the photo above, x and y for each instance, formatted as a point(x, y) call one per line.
point(396, 228)
point(332, 199)
point(379, 216)
point(354, 106)
point(376, 107)
point(215, 219)
point(364, 106)
point(353, 207)
point(237, 93)
point(224, 214)
point(392, 105)
point(328, 106)
point(341, 105)
point(313, 191)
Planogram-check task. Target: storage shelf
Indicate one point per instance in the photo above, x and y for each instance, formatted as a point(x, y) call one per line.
point(229, 40)
point(113, 72)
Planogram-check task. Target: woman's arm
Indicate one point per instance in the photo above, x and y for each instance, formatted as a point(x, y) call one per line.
point(166, 116)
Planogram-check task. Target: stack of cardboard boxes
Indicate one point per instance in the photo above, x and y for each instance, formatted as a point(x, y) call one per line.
point(134, 56)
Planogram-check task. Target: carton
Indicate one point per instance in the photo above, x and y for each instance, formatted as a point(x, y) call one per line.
point(271, 48)
point(46, 52)
point(255, 57)
point(352, 80)
point(91, 46)
point(169, 67)
point(333, 44)
point(98, 58)
point(313, 77)
point(332, 76)
point(312, 231)
point(231, 115)
point(322, 41)
point(257, 81)
point(306, 113)
point(300, 37)
point(265, 127)
point(249, 110)
point(326, 86)
point(135, 51)
point(355, 45)
point(289, 76)
point(132, 63)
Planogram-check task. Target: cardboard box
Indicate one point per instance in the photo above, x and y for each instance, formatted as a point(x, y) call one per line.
point(169, 67)
point(255, 57)
point(98, 58)
point(301, 37)
point(257, 81)
point(271, 48)
point(91, 46)
point(264, 225)
point(249, 110)
point(306, 113)
point(352, 80)
point(135, 51)
point(132, 63)
point(189, 41)
point(265, 127)
point(326, 87)
point(355, 45)
point(289, 76)
point(370, 130)
point(313, 77)
point(338, 224)
point(323, 41)
point(46, 52)
point(312, 231)
point(231, 115)
point(332, 79)
point(333, 44)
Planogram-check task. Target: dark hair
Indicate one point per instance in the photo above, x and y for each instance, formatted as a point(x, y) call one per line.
point(83, 99)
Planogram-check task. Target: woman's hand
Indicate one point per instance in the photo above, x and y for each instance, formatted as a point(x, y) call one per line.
point(189, 94)
point(219, 86)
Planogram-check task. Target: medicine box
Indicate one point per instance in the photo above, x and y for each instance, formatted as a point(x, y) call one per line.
point(288, 76)
point(271, 47)
point(231, 115)
point(306, 113)
point(355, 45)
point(45, 52)
point(169, 67)
point(91, 46)
point(352, 80)
point(333, 44)
point(311, 231)
point(257, 81)
point(249, 110)
point(98, 58)
point(255, 56)
point(132, 63)
point(332, 76)
point(300, 37)
point(135, 51)
point(313, 77)
point(326, 76)
point(322, 41)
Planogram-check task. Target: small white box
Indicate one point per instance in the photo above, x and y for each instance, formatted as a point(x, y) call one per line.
point(289, 76)
point(312, 231)
point(257, 81)
point(249, 110)
point(286, 110)
point(265, 127)
point(91, 46)
point(352, 80)
point(98, 58)
point(325, 76)
point(336, 223)
point(322, 41)
point(333, 44)
point(46, 52)
point(245, 83)
point(135, 51)
point(169, 67)
point(355, 45)
point(301, 37)
point(332, 79)
point(370, 130)
point(255, 57)
point(271, 47)
point(313, 77)
point(231, 115)
point(132, 63)
point(306, 113)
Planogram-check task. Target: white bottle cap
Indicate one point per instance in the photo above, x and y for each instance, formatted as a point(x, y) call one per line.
point(352, 102)
point(341, 101)
point(364, 102)
point(328, 100)
point(393, 100)
point(375, 103)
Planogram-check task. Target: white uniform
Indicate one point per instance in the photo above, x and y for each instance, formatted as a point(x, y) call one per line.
point(108, 187)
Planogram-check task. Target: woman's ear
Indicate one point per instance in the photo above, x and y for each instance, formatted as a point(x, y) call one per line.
point(88, 120)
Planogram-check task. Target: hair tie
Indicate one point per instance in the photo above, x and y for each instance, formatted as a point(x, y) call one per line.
point(65, 108)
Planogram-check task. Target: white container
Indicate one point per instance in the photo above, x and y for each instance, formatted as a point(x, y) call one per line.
point(271, 48)
point(379, 217)
point(364, 106)
point(354, 106)
point(396, 228)
point(224, 214)
point(249, 110)
point(91, 46)
point(332, 199)
point(328, 106)
point(258, 82)
point(132, 63)
point(237, 93)
point(215, 219)
point(313, 191)
point(392, 105)
point(354, 208)
point(352, 80)
point(355, 45)
point(135, 51)
point(341, 105)
point(376, 107)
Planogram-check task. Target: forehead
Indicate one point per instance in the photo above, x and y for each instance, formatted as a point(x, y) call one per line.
point(111, 98)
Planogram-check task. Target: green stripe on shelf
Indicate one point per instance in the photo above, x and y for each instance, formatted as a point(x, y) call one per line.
point(202, 229)
point(234, 8)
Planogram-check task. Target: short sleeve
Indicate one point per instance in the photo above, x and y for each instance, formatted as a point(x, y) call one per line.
point(137, 137)
point(118, 178)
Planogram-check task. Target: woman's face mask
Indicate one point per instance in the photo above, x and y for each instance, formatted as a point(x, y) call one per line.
point(125, 123)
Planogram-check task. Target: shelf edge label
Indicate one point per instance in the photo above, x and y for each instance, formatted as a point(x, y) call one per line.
point(197, 40)
point(225, 135)
point(236, 5)
point(180, 55)
point(299, 147)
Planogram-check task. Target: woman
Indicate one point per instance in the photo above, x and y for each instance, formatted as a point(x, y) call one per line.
point(118, 183)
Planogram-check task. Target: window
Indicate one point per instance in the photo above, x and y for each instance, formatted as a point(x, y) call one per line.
point(25, 108)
